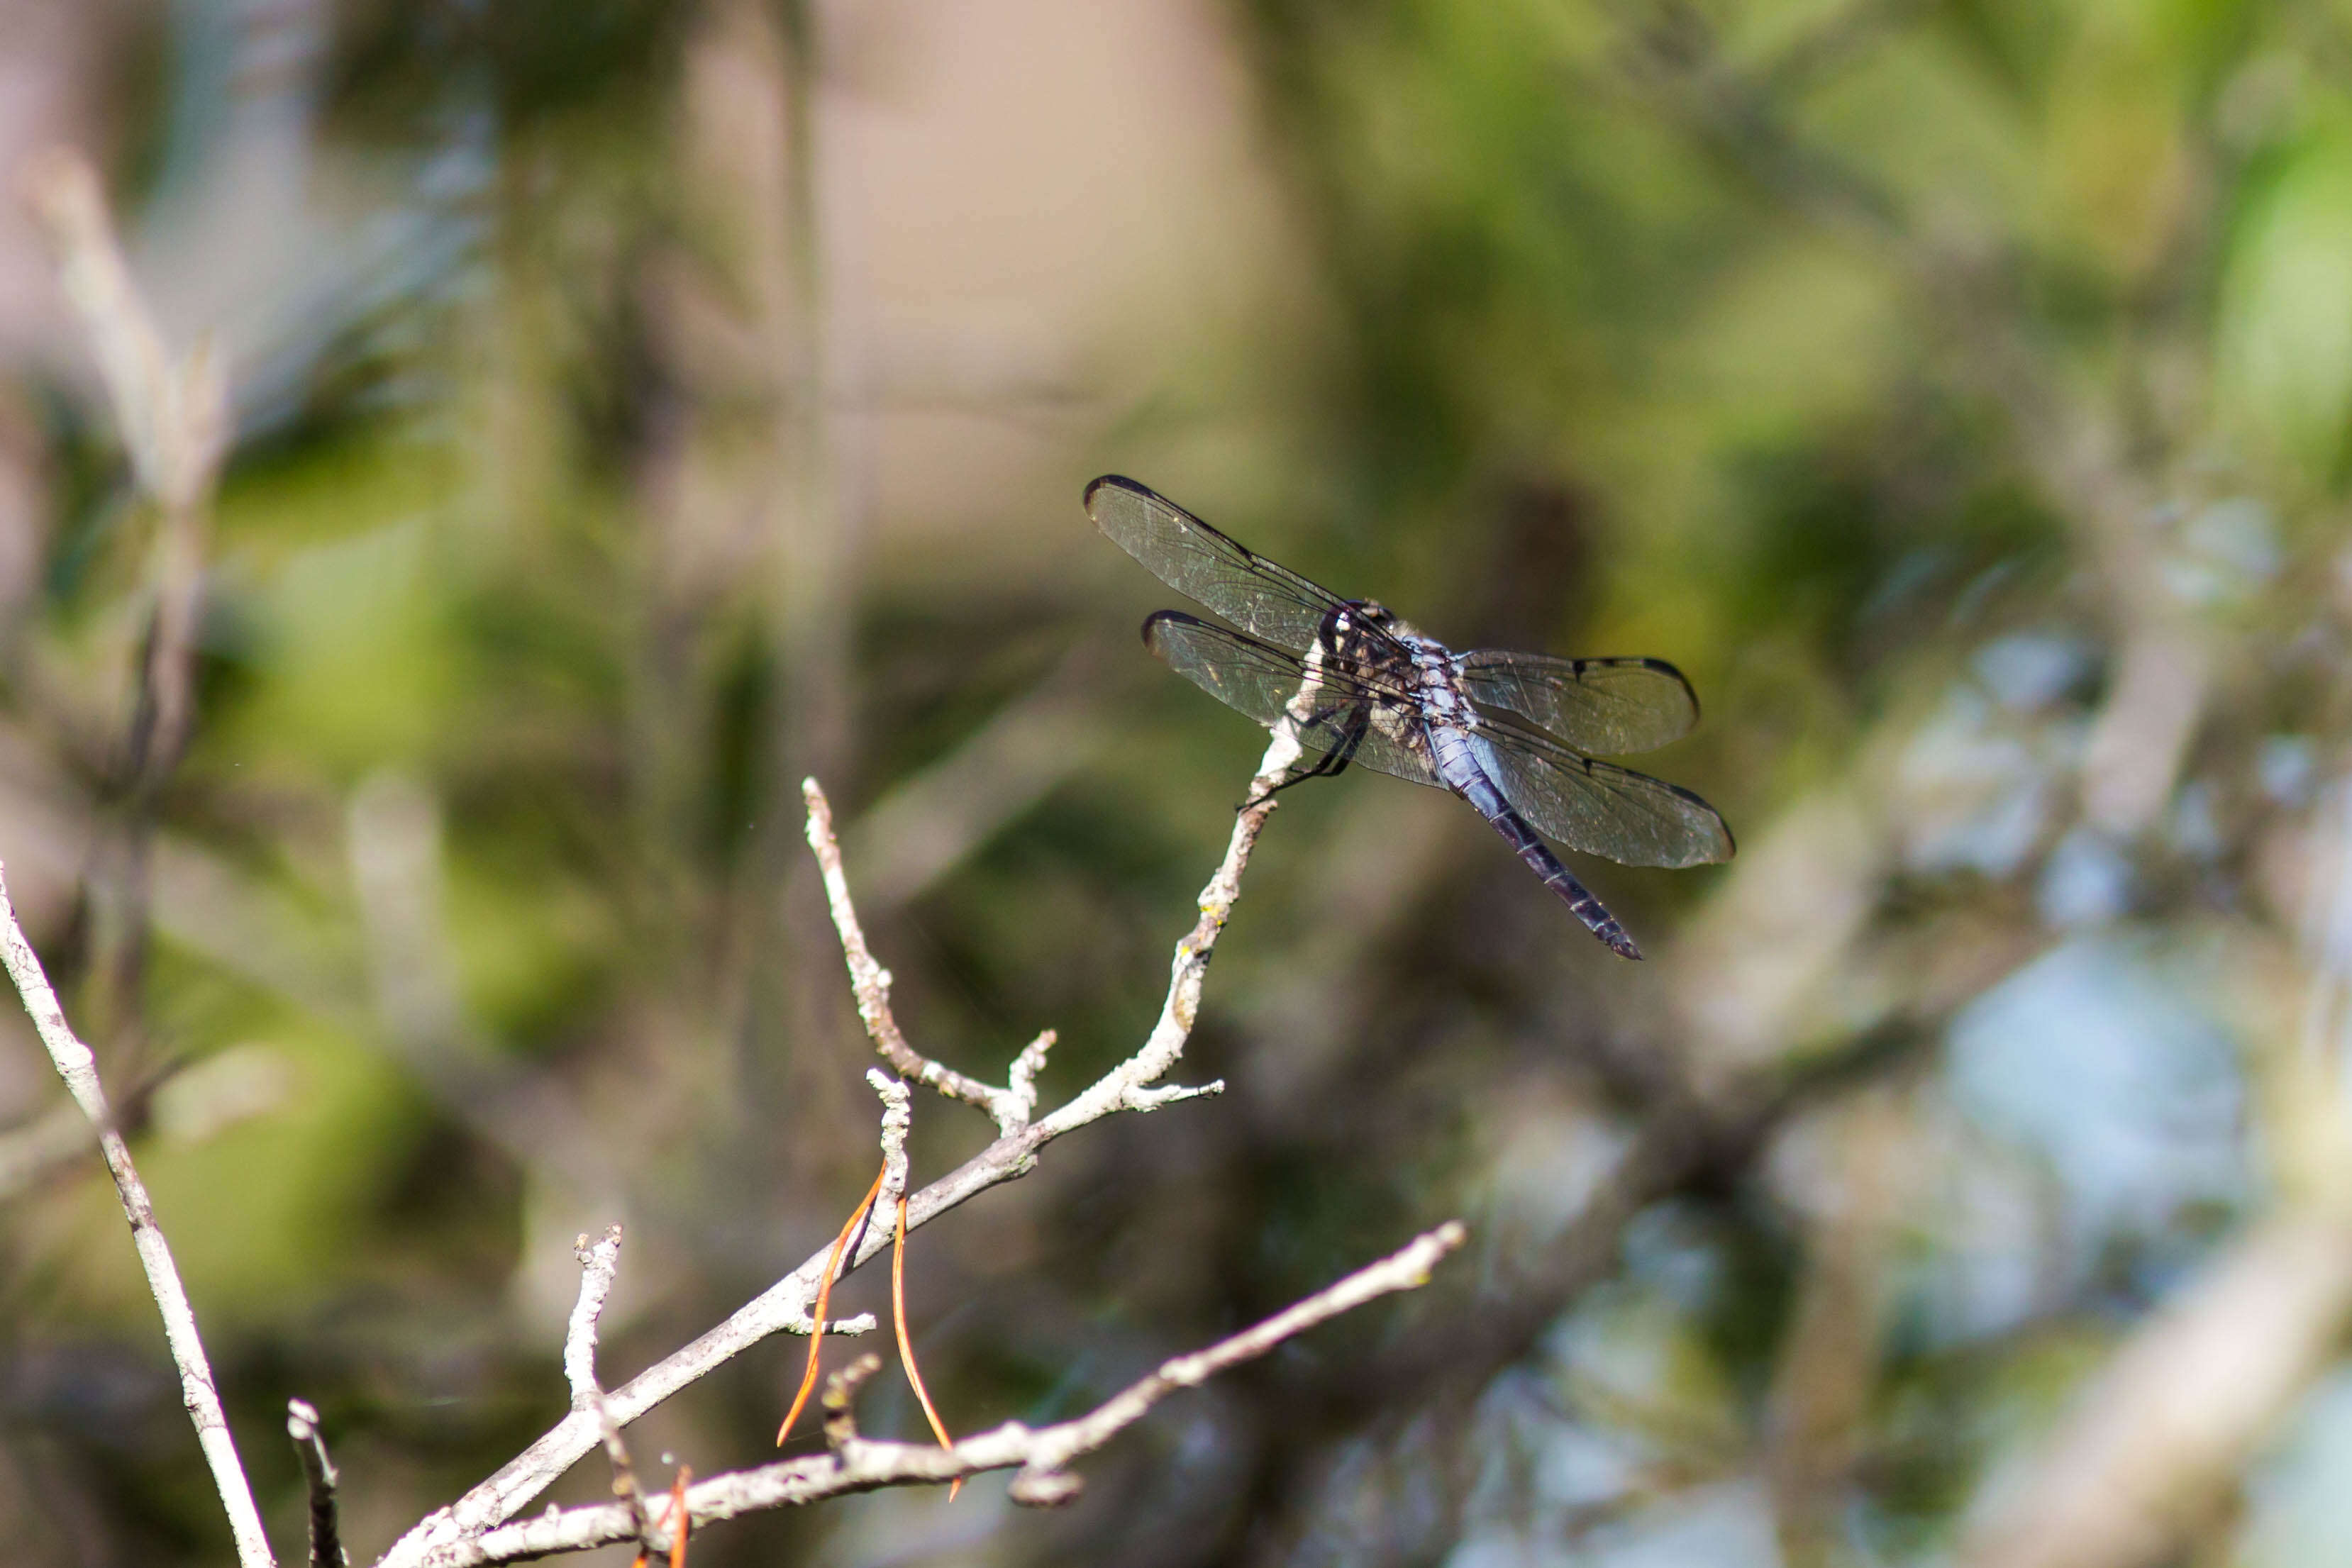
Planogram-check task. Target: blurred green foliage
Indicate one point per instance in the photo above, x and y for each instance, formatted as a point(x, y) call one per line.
point(1903, 369)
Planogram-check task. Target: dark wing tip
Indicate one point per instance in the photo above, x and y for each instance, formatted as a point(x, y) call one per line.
point(1159, 618)
point(1117, 482)
point(1661, 667)
point(1723, 829)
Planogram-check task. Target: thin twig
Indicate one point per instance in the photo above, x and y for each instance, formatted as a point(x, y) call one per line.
point(1042, 1455)
point(625, 1476)
point(840, 1401)
point(897, 1120)
point(786, 1304)
point(1126, 1086)
point(1021, 1081)
point(598, 1264)
point(75, 1065)
point(318, 1480)
point(871, 982)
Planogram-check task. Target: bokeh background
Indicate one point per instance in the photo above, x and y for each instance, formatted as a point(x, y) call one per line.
point(638, 405)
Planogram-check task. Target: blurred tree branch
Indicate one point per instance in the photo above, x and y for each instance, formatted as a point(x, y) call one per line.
point(79, 1069)
point(1968, 290)
point(175, 418)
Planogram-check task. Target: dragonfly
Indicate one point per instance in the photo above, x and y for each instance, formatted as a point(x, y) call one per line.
point(1510, 733)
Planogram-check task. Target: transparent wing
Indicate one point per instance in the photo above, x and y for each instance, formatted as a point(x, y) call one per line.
point(1631, 817)
point(1266, 601)
point(1266, 683)
point(1590, 805)
point(1607, 705)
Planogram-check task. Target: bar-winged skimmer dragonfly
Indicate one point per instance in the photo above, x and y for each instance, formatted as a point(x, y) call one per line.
point(1507, 732)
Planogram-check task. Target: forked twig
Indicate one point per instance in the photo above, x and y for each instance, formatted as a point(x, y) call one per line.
point(870, 983)
point(1043, 1456)
point(452, 1534)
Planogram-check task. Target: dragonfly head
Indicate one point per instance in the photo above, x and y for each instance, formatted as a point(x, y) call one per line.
point(1362, 628)
point(1373, 613)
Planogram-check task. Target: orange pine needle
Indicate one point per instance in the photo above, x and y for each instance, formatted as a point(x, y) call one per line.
point(907, 1345)
point(824, 1300)
point(680, 1522)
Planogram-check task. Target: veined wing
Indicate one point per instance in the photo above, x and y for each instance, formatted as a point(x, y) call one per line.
point(1631, 817)
point(1266, 601)
point(1267, 682)
point(1610, 707)
point(1593, 807)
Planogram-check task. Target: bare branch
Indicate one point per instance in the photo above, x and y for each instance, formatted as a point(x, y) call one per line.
point(174, 420)
point(79, 1068)
point(870, 981)
point(898, 1119)
point(840, 1394)
point(1124, 1086)
point(1171, 1093)
point(1055, 1446)
point(2153, 1445)
point(319, 1481)
point(625, 1473)
point(1022, 1080)
point(598, 1263)
point(1042, 1455)
point(786, 1304)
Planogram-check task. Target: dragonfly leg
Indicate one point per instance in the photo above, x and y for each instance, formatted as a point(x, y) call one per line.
point(1332, 762)
point(1316, 771)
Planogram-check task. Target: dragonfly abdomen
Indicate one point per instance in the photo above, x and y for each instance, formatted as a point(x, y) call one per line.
point(1457, 764)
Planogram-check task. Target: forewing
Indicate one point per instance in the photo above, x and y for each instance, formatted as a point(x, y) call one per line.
point(1631, 817)
point(1265, 682)
point(1266, 601)
point(1611, 706)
